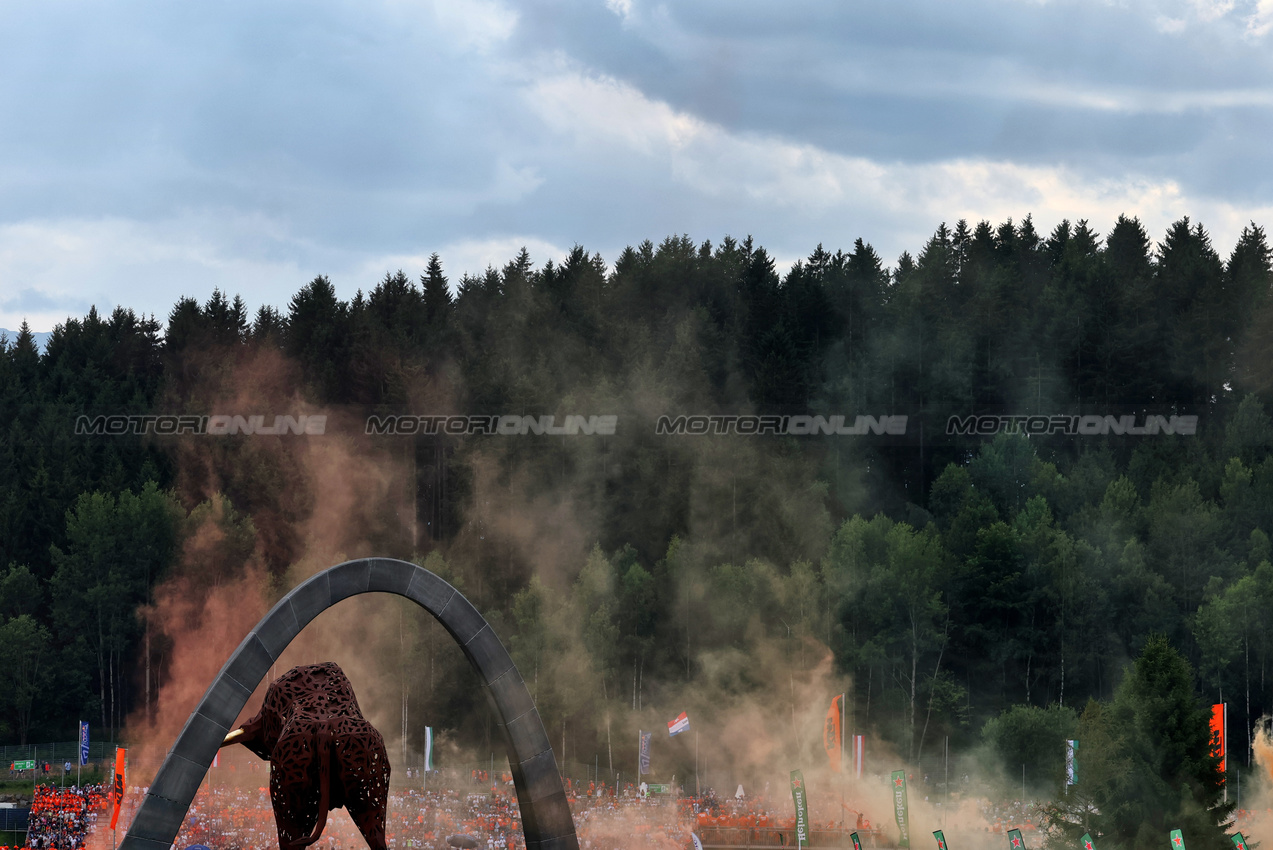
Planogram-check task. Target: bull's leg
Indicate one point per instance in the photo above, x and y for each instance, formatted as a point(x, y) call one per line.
point(295, 790)
point(364, 768)
point(371, 823)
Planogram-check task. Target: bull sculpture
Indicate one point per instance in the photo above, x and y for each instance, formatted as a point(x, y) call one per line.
point(323, 755)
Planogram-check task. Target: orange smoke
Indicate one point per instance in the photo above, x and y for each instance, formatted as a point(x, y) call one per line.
point(265, 512)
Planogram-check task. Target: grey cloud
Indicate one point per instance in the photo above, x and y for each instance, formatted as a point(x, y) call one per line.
point(342, 131)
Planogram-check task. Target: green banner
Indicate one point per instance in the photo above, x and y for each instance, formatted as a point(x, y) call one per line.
point(1087, 842)
point(941, 840)
point(899, 807)
point(802, 808)
point(658, 789)
point(24, 765)
point(1177, 840)
point(1015, 841)
point(1239, 843)
point(857, 842)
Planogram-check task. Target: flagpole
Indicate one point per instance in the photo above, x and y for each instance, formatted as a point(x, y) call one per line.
point(696, 791)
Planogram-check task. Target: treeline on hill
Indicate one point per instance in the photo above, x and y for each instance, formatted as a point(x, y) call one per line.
point(952, 579)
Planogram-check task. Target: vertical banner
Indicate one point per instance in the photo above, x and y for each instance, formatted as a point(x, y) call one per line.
point(643, 748)
point(831, 733)
point(428, 748)
point(1217, 734)
point(1015, 841)
point(800, 798)
point(859, 754)
point(941, 839)
point(117, 790)
point(1087, 842)
point(1177, 840)
point(83, 743)
point(899, 808)
point(1239, 843)
point(857, 842)
point(1071, 766)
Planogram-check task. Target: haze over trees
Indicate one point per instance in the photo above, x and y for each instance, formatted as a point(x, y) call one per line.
point(951, 577)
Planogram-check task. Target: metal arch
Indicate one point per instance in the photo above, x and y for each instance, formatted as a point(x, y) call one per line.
point(546, 819)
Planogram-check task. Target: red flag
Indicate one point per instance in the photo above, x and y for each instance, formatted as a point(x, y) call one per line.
point(117, 792)
point(831, 733)
point(1218, 736)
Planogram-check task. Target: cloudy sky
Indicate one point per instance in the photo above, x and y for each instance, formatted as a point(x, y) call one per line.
point(151, 150)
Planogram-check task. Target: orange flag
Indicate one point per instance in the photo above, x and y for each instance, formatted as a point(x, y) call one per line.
point(1218, 731)
point(831, 733)
point(117, 792)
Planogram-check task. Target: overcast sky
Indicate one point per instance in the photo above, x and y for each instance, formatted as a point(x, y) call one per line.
point(153, 150)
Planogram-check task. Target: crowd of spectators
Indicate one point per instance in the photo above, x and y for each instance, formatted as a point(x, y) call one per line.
point(61, 818)
point(239, 817)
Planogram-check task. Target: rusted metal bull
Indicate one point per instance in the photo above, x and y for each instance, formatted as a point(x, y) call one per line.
point(323, 755)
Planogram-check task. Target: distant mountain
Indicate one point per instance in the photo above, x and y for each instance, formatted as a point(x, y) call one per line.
point(41, 338)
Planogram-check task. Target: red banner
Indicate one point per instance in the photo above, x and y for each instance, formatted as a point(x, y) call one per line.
point(1218, 748)
point(831, 733)
point(117, 790)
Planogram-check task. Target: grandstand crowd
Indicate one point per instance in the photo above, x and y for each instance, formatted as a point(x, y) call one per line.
point(62, 818)
point(238, 817)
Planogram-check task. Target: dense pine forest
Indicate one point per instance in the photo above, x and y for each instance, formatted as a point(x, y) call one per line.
point(954, 583)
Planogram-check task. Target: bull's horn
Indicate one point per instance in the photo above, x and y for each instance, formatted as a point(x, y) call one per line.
point(233, 737)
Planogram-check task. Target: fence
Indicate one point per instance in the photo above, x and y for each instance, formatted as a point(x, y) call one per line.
point(759, 837)
point(14, 820)
point(56, 754)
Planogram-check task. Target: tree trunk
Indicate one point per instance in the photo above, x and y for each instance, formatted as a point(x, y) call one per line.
point(914, 671)
point(936, 669)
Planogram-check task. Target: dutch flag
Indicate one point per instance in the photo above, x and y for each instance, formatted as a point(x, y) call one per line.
point(679, 725)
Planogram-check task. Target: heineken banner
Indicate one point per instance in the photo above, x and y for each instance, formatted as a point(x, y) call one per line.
point(802, 808)
point(1071, 762)
point(899, 807)
point(1015, 841)
point(1087, 842)
point(1177, 840)
point(857, 842)
point(941, 839)
point(1239, 843)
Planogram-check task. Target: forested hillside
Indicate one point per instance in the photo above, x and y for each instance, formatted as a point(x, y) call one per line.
point(952, 576)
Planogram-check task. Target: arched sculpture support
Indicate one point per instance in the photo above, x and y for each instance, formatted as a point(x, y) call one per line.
point(546, 819)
